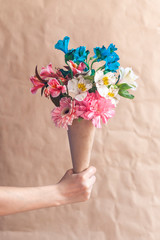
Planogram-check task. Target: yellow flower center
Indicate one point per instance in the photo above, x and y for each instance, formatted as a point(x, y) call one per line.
point(111, 94)
point(82, 87)
point(105, 80)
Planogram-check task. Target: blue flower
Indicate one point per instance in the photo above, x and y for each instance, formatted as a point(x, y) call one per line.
point(109, 56)
point(63, 44)
point(80, 54)
point(111, 67)
point(111, 48)
point(112, 57)
point(111, 60)
point(100, 53)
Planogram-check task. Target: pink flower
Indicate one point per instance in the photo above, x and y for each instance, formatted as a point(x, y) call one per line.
point(48, 72)
point(95, 108)
point(65, 114)
point(36, 84)
point(55, 88)
point(76, 69)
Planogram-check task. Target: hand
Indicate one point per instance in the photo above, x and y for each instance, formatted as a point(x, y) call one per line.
point(76, 187)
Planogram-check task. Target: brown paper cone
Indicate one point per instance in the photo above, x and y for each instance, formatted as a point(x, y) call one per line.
point(81, 136)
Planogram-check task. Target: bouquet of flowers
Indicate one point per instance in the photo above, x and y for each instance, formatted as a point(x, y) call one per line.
point(81, 93)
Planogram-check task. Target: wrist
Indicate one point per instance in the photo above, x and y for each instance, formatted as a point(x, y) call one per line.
point(50, 196)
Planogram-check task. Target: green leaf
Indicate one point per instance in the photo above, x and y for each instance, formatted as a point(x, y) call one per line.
point(105, 71)
point(65, 73)
point(93, 89)
point(91, 78)
point(69, 56)
point(61, 82)
point(124, 86)
point(125, 94)
point(56, 100)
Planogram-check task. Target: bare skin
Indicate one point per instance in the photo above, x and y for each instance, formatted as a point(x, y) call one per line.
point(71, 188)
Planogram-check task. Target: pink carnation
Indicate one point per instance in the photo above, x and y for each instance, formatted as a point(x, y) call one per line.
point(95, 108)
point(64, 115)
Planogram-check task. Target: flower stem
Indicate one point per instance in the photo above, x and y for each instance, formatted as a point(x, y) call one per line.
point(86, 64)
point(100, 68)
point(93, 62)
point(89, 60)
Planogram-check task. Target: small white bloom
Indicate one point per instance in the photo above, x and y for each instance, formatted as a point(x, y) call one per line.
point(78, 87)
point(128, 76)
point(110, 93)
point(113, 94)
point(102, 79)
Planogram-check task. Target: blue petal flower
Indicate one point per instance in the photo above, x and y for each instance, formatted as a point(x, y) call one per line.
point(80, 54)
point(100, 53)
point(111, 48)
point(112, 66)
point(109, 56)
point(63, 44)
point(112, 58)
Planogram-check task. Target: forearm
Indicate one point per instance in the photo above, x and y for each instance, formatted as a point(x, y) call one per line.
point(71, 188)
point(14, 199)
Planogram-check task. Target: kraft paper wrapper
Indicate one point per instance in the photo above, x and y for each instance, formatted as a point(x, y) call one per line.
point(81, 135)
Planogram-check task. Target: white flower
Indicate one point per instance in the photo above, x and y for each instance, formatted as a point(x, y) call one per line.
point(110, 93)
point(103, 80)
point(78, 87)
point(113, 94)
point(128, 76)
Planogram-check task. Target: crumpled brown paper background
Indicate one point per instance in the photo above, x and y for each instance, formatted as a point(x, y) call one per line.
point(125, 203)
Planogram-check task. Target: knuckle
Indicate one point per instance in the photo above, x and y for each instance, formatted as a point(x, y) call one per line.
point(85, 186)
point(86, 196)
point(81, 178)
point(94, 179)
